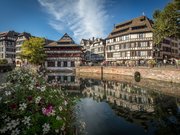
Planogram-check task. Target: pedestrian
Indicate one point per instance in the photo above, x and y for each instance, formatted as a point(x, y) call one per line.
point(176, 63)
point(165, 61)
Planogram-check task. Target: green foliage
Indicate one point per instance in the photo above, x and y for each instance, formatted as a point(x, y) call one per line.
point(3, 61)
point(151, 62)
point(166, 22)
point(33, 50)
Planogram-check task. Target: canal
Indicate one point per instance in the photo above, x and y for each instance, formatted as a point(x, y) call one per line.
point(116, 105)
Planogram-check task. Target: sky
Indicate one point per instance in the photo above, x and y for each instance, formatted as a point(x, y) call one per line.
point(79, 18)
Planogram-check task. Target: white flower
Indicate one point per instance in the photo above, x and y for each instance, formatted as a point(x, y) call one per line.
point(53, 112)
point(60, 108)
point(57, 130)
point(37, 100)
point(46, 128)
point(43, 88)
point(22, 106)
point(3, 130)
point(12, 124)
point(15, 132)
point(58, 118)
point(65, 103)
point(7, 93)
point(63, 127)
point(26, 120)
point(7, 119)
point(31, 87)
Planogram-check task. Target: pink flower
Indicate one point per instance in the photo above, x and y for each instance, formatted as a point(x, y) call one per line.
point(13, 106)
point(29, 98)
point(48, 110)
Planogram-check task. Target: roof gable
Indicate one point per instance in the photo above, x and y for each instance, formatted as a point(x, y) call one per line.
point(66, 39)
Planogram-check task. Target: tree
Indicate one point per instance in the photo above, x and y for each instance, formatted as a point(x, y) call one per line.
point(33, 50)
point(167, 22)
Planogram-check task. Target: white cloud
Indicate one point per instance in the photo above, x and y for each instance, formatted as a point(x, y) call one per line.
point(84, 18)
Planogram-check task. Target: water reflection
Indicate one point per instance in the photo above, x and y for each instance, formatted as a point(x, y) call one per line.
point(112, 107)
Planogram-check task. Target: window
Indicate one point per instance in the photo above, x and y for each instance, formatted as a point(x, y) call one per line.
point(1, 49)
point(21, 37)
point(127, 37)
point(132, 45)
point(139, 27)
point(133, 54)
point(110, 47)
point(51, 64)
point(143, 44)
point(72, 78)
point(124, 46)
point(65, 78)
point(1, 55)
point(123, 54)
point(99, 50)
point(65, 63)
point(72, 64)
point(127, 45)
point(143, 53)
point(141, 35)
point(59, 63)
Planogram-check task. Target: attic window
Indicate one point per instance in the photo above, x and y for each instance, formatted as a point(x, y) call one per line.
point(120, 31)
point(142, 19)
point(125, 24)
point(139, 27)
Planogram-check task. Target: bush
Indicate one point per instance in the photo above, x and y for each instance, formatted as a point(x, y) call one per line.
point(31, 106)
point(151, 62)
point(3, 61)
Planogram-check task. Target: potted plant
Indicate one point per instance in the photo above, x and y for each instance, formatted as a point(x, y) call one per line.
point(151, 63)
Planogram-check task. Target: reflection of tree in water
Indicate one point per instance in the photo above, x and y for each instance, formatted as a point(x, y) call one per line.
point(166, 115)
point(152, 109)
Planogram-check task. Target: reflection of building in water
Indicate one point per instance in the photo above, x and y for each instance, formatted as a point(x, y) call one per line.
point(121, 94)
point(67, 81)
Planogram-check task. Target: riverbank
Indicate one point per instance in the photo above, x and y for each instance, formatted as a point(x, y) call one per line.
point(167, 75)
point(171, 89)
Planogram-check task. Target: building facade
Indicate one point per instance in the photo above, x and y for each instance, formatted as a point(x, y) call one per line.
point(94, 49)
point(7, 45)
point(63, 55)
point(133, 40)
point(169, 48)
point(20, 40)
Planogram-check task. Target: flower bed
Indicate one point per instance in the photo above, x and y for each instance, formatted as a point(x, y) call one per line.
point(31, 106)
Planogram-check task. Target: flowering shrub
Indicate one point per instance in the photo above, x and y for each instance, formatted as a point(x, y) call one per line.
point(31, 106)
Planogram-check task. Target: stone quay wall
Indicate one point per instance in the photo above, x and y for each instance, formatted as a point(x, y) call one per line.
point(167, 75)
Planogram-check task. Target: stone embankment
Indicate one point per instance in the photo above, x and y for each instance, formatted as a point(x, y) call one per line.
point(168, 75)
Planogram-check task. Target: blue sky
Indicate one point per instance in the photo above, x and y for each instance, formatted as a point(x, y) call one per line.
point(78, 18)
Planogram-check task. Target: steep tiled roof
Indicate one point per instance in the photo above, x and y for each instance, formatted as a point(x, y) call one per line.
point(27, 35)
point(9, 33)
point(66, 40)
point(136, 25)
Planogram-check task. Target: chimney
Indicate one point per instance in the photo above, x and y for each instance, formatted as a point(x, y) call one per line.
point(93, 39)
